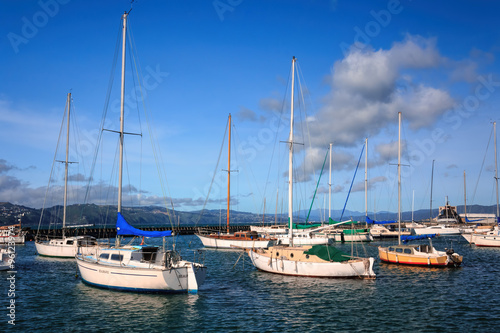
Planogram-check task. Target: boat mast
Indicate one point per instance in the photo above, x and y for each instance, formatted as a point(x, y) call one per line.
point(432, 182)
point(228, 172)
point(366, 178)
point(496, 166)
point(330, 187)
point(68, 103)
point(122, 113)
point(412, 205)
point(290, 162)
point(465, 198)
point(399, 179)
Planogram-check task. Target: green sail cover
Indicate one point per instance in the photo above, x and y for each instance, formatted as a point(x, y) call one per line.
point(328, 253)
point(332, 221)
point(354, 231)
point(306, 226)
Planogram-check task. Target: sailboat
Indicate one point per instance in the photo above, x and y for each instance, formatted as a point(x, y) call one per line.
point(138, 268)
point(322, 260)
point(64, 246)
point(492, 237)
point(417, 255)
point(241, 239)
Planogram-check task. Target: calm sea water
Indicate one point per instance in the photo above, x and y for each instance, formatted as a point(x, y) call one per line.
point(238, 298)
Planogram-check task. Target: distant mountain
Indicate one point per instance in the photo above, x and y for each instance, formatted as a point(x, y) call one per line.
point(154, 216)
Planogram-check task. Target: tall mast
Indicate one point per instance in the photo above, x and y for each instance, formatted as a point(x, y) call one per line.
point(330, 187)
point(366, 177)
point(496, 166)
point(68, 103)
point(276, 211)
point(290, 162)
point(399, 179)
point(432, 182)
point(122, 113)
point(228, 172)
point(465, 198)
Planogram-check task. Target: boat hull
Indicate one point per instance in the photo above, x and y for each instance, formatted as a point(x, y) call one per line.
point(487, 240)
point(181, 278)
point(62, 251)
point(225, 243)
point(268, 261)
point(16, 239)
point(66, 247)
point(442, 231)
point(437, 259)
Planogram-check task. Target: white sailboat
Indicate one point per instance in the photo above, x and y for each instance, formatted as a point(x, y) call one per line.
point(65, 247)
point(492, 237)
point(242, 239)
point(313, 261)
point(415, 255)
point(138, 268)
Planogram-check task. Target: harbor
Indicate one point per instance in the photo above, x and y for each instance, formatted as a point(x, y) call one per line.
point(237, 297)
point(129, 203)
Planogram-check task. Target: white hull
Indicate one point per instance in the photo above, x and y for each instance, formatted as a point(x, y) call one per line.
point(139, 276)
point(489, 239)
point(359, 268)
point(64, 247)
point(17, 239)
point(218, 243)
point(304, 239)
point(437, 229)
point(358, 238)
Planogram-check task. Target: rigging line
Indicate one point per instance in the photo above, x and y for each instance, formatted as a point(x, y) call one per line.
point(214, 174)
point(319, 179)
point(246, 167)
point(152, 134)
point(53, 166)
point(280, 117)
point(482, 165)
point(345, 204)
point(104, 112)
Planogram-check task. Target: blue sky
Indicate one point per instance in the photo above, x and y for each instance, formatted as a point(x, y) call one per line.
point(361, 62)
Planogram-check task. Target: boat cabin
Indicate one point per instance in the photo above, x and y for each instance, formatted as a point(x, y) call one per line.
point(410, 249)
point(246, 235)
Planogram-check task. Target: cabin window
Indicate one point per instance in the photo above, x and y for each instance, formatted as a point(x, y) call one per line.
point(69, 242)
point(407, 251)
point(307, 256)
point(291, 255)
point(399, 250)
point(104, 256)
point(391, 249)
point(117, 257)
point(277, 254)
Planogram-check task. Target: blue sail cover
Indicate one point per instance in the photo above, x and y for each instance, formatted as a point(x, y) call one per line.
point(467, 220)
point(370, 221)
point(123, 228)
point(409, 238)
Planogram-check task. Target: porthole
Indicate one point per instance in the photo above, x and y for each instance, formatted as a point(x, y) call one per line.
point(277, 254)
point(307, 256)
point(291, 255)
